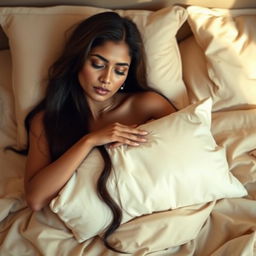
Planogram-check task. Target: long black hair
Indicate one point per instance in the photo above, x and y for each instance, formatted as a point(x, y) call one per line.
point(66, 112)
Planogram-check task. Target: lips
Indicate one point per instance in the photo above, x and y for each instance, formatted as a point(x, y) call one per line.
point(100, 90)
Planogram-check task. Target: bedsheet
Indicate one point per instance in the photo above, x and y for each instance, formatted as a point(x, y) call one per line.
point(230, 228)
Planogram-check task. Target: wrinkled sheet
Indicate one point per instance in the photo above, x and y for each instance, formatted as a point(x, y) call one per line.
point(229, 228)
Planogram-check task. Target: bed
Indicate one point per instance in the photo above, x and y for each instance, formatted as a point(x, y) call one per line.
point(198, 196)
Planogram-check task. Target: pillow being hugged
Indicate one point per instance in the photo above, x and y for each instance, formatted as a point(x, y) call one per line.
point(179, 165)
point(37, 35)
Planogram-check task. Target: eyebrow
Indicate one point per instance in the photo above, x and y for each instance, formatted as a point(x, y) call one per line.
point(105, 60)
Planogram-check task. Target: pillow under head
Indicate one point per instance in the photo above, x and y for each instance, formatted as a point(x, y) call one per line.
point(37, 36)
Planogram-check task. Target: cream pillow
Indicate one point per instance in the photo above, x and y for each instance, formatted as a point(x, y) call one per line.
point(37, 35)
point(228, 38)
point(176, 227)
point(181, 165)
point(194, 71)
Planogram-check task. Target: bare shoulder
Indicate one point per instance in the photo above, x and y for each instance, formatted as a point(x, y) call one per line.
point(154, 104)
point(149, 95)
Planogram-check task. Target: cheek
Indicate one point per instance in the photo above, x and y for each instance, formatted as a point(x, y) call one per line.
point(120, 80)
point(85, 76)
point(117, 83)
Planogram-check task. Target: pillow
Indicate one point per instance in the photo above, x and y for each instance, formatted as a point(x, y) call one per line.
point(227, 38)
point(180, 151)
point(36, 37)
point(140, 234)
point(198, 84)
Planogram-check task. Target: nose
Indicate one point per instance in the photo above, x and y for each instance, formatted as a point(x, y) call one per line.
point(105, 77)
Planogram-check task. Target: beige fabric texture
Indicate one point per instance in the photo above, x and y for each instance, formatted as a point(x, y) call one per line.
point(134, 4)
point(7, 114)
point(228, 230)
point(36, 37)
point(186, 222)
point(228, 39)
point(197, 160)
point(199, 85)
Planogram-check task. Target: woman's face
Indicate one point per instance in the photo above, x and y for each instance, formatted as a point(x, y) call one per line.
point(105, 70)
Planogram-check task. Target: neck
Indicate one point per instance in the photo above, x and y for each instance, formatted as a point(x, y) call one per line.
point(100, 108)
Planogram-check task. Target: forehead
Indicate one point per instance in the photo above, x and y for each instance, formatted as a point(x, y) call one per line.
point(116, 52)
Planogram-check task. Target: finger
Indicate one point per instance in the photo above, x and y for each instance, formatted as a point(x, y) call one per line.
point(124, 141)
point(131, 137)
point(118, 144)
point(132, 130)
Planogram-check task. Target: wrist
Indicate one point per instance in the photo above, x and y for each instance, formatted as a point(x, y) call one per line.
point(89, 141)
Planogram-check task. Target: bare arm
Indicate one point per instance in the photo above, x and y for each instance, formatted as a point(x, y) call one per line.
point(44, 179)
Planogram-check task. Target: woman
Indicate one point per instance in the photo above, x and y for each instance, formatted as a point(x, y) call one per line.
point(97, 95)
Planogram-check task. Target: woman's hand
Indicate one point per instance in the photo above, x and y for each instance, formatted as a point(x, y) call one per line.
point(117, 134)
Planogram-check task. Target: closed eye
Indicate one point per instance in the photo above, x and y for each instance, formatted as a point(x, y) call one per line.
point(100, 66)
point(120, 73)
point(97, 66)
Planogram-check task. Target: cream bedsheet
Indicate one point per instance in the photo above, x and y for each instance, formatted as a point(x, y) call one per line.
point(230, 228)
